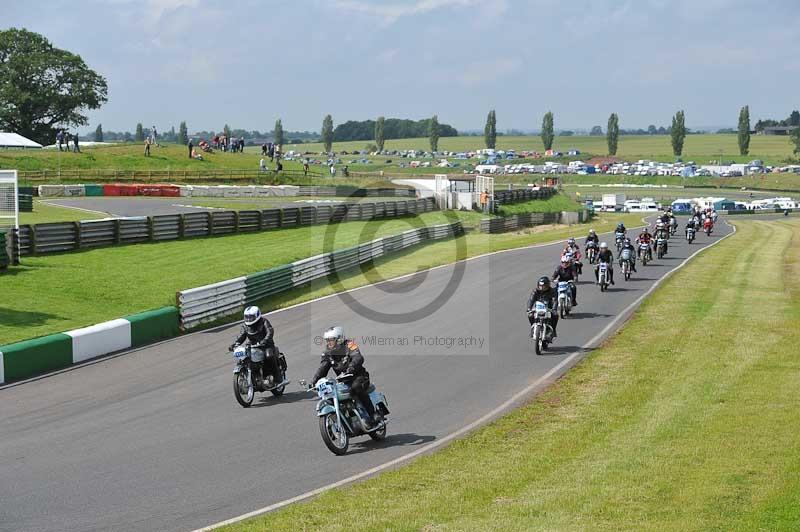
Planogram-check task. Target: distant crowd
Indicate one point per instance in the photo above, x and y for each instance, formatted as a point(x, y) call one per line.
point(63, 138)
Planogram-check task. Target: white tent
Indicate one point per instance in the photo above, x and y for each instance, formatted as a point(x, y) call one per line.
point(13, 140)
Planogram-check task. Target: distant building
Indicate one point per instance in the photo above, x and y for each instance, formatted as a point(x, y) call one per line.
point(779, 130)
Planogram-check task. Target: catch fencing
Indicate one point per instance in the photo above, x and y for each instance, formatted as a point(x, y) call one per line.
point(71, 236)
point(210, 302)
point(520, 221)
point(160, 176)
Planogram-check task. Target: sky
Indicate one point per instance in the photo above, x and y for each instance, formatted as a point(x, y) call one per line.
point(248, 62)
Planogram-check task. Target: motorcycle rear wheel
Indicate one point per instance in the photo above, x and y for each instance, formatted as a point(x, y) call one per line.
point(336, 442)
point(379, 435)
point(243, 390)
point(277, 392)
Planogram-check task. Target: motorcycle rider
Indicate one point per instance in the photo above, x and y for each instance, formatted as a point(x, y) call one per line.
point(592, 241)
point(565, 272)
point(662, 233)
point(627, 245)
point(691, 224)
point(645, 238)
point(544, 292)
point(708, 224)
point(605, 255)
point(257, 331)
point(572, 249)
point(344, 357)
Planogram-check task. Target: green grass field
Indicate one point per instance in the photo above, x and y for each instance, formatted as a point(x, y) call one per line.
point(653, 431)
point(129, 279)
point(699, 148)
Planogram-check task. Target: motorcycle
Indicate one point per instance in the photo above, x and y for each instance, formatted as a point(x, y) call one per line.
point(645, 253)
point(564, 298)
point(248, 375)
point(673, 226)
point(708, 228)
point(603, 276)
point(591, 252)
point(625, 259)
point(689, 234)
point(660, 248)
point(619, 238)
point(541, 330)
point(342, 416)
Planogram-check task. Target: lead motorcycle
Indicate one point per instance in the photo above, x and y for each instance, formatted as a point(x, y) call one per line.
point(689, 234)
point(341, 415)
point(541, 330)
point(249, 375)
point(603, 276)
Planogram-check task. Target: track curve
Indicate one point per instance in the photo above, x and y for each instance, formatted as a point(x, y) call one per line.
point(154, 439)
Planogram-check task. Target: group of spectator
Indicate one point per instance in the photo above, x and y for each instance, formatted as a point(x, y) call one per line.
point(228, 144)
point(63, 139)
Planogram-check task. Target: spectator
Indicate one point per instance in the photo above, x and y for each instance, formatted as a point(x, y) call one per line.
point(60, 138)
point(154, 135)
point(279, 166)
point(264, 149)
point(271, 152)
point(305, 167)
point(346, 171)
point(66, 141)
point(75, 148)
point(191, 146)
point(332, 170)
point(485, 201)
point(262, 166)
point(241, 145)
point(147, 147)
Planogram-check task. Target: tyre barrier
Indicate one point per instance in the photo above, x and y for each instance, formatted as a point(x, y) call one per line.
point(73, 236)
point(29, 358)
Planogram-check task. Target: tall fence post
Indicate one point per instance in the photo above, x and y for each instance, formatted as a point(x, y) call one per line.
point(77, 235)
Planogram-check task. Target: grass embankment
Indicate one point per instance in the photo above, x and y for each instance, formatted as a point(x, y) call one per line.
point(685, 420)
point(73, 290)
point(44, 213)
point(557, 203)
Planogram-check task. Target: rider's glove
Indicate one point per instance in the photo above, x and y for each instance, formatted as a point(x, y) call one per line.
point(232, 347)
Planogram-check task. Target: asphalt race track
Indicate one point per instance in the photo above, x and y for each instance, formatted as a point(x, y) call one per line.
point(154, 440)
point(127, 206)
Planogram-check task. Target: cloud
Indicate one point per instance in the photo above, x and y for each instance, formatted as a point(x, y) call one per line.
point(392, 12)
point(489, 71)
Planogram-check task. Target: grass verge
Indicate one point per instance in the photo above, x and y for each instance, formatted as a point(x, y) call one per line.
point(653, 431)
point(73, 290)
point(557, 203)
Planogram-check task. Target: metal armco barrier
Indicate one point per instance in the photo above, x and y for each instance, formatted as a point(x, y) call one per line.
point(513, 196)
point(71, 236)
point(159, 176)
point(207, 303)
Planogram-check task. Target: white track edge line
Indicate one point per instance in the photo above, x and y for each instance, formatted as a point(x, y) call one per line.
point(62, 206)
point(483, 419)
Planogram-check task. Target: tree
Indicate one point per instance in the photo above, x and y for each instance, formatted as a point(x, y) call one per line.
point(433, 133)
point(796, 139)
point(226, 130)
point(139, 137)
point(43, 87)
point(379, 136)
point(490, 130)
point(327, 132)
point(98, 133)
point(547, 131)
point(612, 133)
point(596, 131)
point(678, 133)
point(744, 130)
point(651, 130)
point(278, 132)
point(183, 134)
point(794, 118)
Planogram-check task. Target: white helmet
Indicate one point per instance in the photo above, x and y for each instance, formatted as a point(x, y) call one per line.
point(334, 333)
point(252, 315)
point(603, 245)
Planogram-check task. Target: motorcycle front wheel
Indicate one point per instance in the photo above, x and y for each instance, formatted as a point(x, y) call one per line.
point(242, 389)
point(334, 436)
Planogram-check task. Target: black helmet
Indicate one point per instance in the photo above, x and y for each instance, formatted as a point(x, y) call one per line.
point(543, 284)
